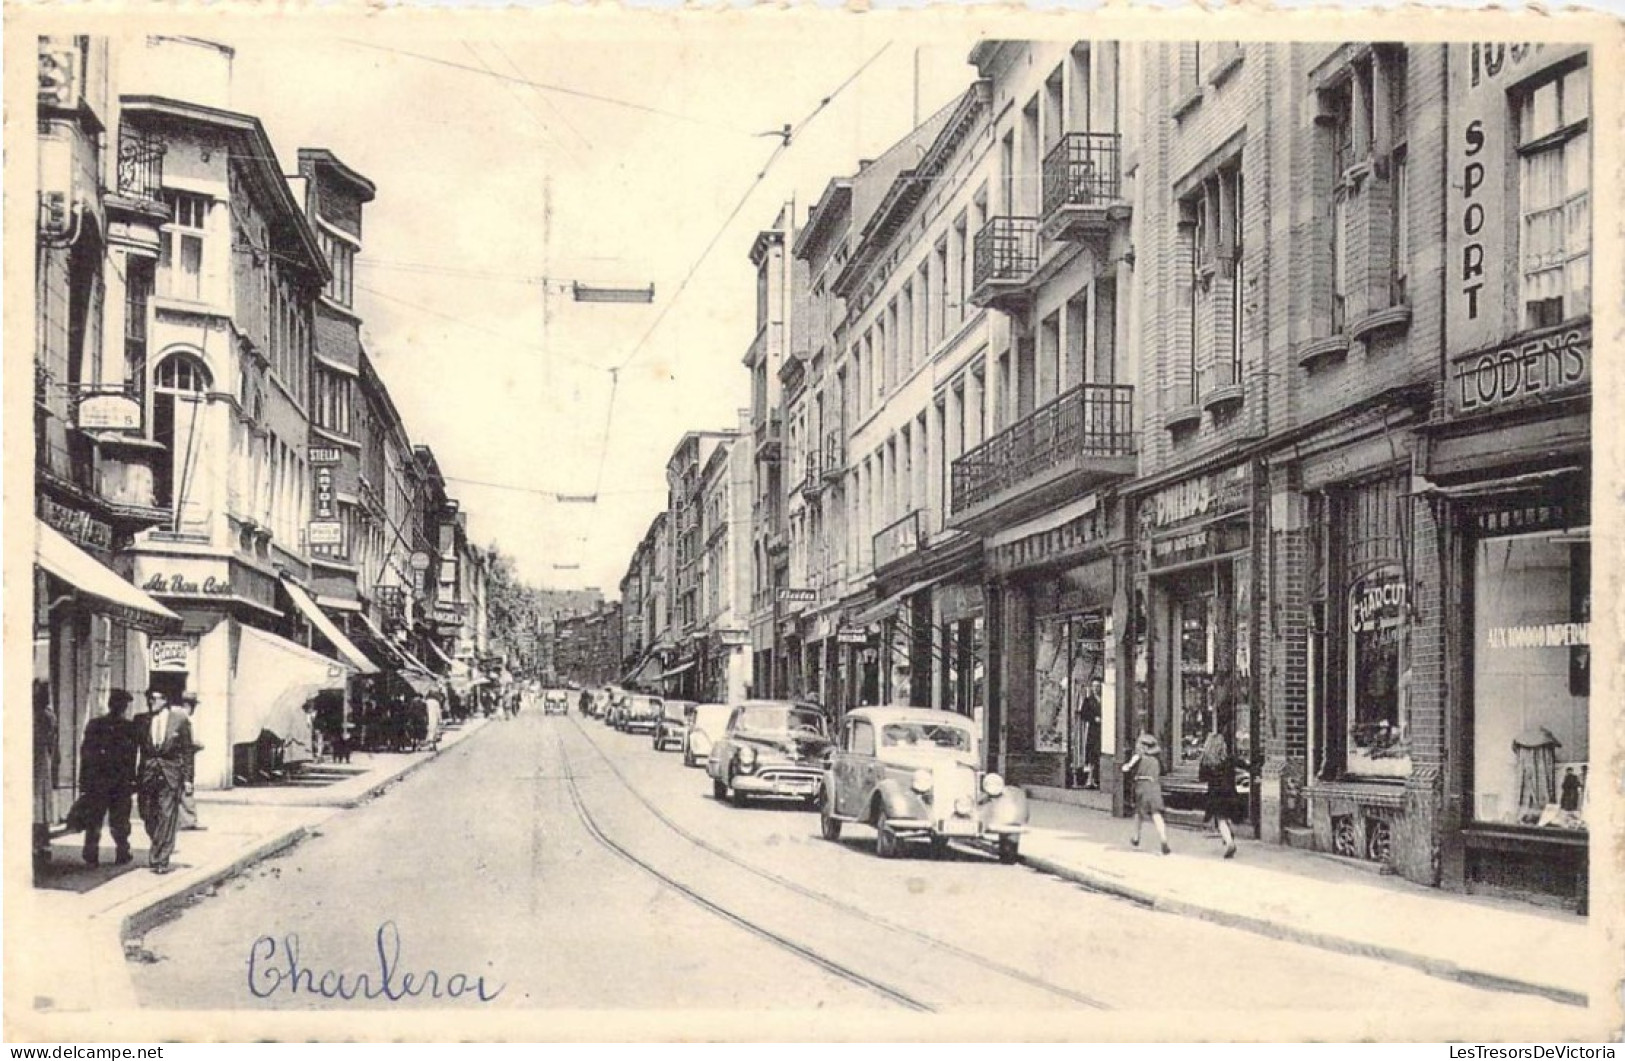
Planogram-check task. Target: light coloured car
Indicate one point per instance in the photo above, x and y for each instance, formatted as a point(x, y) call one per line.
point(639, 714)
point(671, 728)
point(914, 773)
point(706, 724)
point(555, 702)
point(770, 748)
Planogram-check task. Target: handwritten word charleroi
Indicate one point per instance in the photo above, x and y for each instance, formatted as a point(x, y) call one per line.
point(273, 969)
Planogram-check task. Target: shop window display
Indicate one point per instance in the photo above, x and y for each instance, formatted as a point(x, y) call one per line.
point(1378, 686)
point(1531, 681)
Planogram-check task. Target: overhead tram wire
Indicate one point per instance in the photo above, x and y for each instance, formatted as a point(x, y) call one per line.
point(789, 133)
point(542, 86)
point(514, 340)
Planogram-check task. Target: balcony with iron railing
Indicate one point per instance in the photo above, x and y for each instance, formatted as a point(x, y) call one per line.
point(1004, 262)
point(770, 436)
point(1081, 441)
point(901, 539)
point(812, 478)
point(140, 174)
point(833, 464)
point(1083, 187)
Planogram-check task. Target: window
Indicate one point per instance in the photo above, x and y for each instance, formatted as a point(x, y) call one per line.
point(1554, 180)
point(179, 384)
point(341, 259)
point(1399, 272)
point(180, 246)
point(860, 738)
point(1373, 531)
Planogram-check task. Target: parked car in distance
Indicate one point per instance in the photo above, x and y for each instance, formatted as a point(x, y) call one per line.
point(770, 748)
point(555, 702)
point(639, 714)
point(706, 724)
point(914, 773)
point(671, 727)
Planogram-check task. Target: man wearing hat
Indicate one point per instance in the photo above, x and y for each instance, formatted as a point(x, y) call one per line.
point(107, 761)
point(165, 773)
point(189, 704)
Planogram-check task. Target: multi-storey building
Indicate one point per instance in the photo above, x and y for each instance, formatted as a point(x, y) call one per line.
point(231, 351)
point(781, 293)
point(819, 541)
point(97, 248)
point(724, 591)
point(917, 351)
point(685, 509)
point(387, 490)
point(1500, 724)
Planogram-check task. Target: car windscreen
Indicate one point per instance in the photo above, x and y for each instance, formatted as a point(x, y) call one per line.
point(711, 721)
point(925, 735)
point(774, 719)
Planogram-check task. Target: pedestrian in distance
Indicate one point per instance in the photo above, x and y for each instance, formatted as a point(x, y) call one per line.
point(1218, 769)
point(1146, 766)
point(189, 820)
point(107, 760)
point(164, 775)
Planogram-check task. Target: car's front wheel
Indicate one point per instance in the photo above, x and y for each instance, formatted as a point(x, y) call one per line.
point(829, 827)
point(736, 797)
point(887, 843)
point(939, 846)
point(719, 790)
point(1009, 850)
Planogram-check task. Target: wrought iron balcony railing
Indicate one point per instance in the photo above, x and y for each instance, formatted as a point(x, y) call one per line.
point(1094, 420)
point(1082, 170)
point(833, 464)
point(140, 166)
point(1006, 250)
point(769, 436)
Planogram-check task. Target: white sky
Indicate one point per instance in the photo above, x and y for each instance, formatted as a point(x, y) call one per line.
point(461, 160)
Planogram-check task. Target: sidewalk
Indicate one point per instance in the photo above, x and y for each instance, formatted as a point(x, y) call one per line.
point(1317, 900)
point(87, 914)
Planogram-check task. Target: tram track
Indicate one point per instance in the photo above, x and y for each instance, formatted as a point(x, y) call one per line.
point(979, 960)
point(762, 932)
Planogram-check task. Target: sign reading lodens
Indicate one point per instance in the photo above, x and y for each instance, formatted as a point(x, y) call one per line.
point(1529, 368)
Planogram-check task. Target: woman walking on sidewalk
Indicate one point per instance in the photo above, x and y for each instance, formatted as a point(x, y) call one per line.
point(1146, 766)
point(1218, 769)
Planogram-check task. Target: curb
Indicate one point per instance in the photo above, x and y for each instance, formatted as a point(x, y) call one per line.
point(140, 921)
point(1444, 970)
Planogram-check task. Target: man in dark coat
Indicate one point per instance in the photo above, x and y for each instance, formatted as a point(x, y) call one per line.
point(165, 773)
point(107, 762)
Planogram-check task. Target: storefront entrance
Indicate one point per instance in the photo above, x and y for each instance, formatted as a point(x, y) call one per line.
point(1072, 658)
point(1202, 687)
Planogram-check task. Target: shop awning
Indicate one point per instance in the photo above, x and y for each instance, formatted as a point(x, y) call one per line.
point(273, 679)
point(384, 654)
point(876, 612)
point(329, 629)
point(646, 671)
point(119, 598)
point(450, 663)
point(680, 668)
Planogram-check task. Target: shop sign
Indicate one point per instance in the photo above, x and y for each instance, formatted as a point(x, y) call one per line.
point(320, 455)
point(1206, 543)
point(108, 412)
point(733, 637)
point(1524, 518)
point(213, 580)
point(1069, 539)
point(1476, 206)
point(1542, 635)
point(81, 528)
point(324, 532)
point(1378, 600)
point(1207, 495)
point(169, 654)
point(1526, 369)
point(798, 595)
point(852, 635)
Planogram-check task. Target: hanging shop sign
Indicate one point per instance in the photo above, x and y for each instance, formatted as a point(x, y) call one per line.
point(1205, 496)
point(733, 637)
point(852, 635)
point(1530, 368)
point(321, 455)
point(166, 654)
point(108, 412)
point(325, 532)
point(797, 595)
point(81, 528)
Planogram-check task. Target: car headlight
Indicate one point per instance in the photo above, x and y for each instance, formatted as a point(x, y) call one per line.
point(747, 758)
point(993, 785)
point(922, 781)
